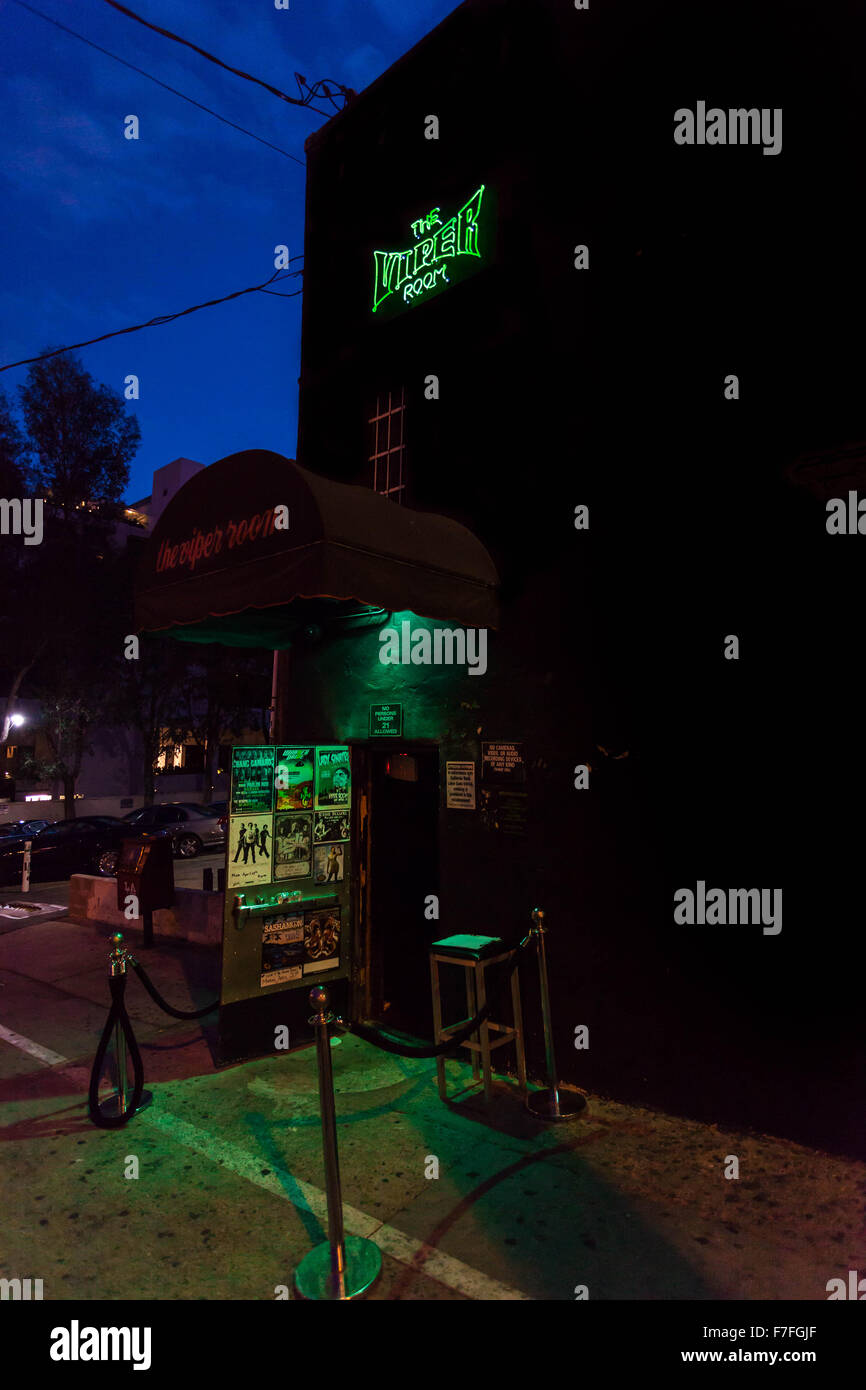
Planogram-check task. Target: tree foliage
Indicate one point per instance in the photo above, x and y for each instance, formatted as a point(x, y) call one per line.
point(226, 690)
point(65, 608)
point(14, 457)
point(81, 437)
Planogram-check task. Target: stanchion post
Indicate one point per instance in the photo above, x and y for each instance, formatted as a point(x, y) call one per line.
point(118, 959)
point(118, 1104)
point(550, 1104)
point(329, 1144)
point(341, 1267)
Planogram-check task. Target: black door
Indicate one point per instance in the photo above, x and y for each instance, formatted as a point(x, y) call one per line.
point(404, 874)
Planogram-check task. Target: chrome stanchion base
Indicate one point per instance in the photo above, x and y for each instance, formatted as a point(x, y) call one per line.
point(112, 1107)
point(556, 1105)
point(313, 1278)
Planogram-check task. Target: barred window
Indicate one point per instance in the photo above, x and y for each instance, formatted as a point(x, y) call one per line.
point(387, 446)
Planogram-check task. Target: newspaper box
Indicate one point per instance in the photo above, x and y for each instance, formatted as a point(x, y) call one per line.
point(146, 868)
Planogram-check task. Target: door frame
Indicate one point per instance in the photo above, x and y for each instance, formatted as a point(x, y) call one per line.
point(365, 974)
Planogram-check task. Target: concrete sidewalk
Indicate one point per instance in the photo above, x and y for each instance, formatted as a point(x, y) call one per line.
point(466, 1201)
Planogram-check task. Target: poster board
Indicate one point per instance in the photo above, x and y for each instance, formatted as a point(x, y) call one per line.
point(288, 855)
point(294, 777)
point(252, 788)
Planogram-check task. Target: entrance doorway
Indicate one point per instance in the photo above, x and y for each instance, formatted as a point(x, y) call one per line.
point(403, 849)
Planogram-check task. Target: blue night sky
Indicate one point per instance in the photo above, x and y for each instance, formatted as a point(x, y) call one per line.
point(99, 232)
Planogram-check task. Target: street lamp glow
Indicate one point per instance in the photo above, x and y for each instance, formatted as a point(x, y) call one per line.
point(17, 720)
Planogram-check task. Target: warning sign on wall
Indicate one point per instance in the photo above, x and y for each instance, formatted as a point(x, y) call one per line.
point(502, 762)
point(386, 721)
point(460, 785)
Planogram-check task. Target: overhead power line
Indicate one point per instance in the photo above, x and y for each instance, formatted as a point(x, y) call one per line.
point(238, 72)
point(323, 88)
point(279, 294)
point(159, 83)
point(164, 318)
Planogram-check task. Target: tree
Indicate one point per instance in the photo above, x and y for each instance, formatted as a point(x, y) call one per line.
point(13, 452)
point(20, 641)
point(64, 629)
point(65, 723)
point(75, 674)
point(226, 690)
point(148, 695)
point(82, 438)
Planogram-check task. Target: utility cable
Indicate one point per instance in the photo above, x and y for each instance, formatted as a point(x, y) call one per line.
point(238, 72)
point(164, 318)
point(159, 83)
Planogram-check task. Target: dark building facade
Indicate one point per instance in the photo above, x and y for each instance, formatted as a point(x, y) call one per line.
point(519, 377)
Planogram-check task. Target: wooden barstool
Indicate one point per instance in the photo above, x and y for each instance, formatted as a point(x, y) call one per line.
point(475, 953)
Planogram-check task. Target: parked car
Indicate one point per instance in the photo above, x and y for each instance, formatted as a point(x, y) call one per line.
point(23, 827)
point(87, 845)
point(193, 828)
point(221, 810)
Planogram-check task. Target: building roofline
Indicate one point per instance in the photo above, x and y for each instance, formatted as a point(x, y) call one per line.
point(324, 132)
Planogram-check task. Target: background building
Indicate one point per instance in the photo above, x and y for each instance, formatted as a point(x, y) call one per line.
point(112, 776)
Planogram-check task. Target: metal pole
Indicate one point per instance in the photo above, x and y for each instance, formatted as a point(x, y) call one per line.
point(329, 1146)
point(550, 1104)
point(25, 867)
point(341, 1267)
point(117, 966)
point(122, 1078)
point(119, 1103)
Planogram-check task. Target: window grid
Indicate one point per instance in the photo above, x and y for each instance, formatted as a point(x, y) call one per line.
point(389, 444)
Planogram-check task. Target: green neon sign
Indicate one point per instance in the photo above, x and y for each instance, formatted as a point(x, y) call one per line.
point(424, 266)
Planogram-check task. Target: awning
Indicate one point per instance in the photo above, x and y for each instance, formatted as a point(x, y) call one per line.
point(247, 542)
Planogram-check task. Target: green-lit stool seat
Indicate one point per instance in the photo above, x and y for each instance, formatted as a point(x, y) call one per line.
point(475, 953)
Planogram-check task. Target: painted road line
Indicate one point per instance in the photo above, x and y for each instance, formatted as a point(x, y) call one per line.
point(278, 1181)
point(42, 1054)
point(460, 1277)
point(46, 1057)
point(444, 1268)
